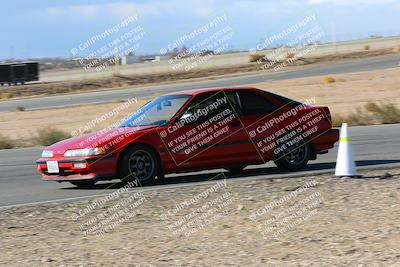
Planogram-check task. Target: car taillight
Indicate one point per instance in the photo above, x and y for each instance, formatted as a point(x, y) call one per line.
point(328, 114)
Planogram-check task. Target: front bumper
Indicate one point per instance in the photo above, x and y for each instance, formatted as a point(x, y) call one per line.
point(91, 168)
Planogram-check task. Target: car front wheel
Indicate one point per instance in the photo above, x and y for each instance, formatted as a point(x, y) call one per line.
point(139, 163)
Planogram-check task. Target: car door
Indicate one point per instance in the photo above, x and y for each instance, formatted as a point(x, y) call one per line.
point(262, 120)
point(209, 133)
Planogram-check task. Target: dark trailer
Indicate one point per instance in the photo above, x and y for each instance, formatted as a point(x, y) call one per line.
point(14, 73)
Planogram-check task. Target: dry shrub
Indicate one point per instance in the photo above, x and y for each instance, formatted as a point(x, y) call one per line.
point(386, 112)
point(256, 57)
point(5, 142)
point(6, 95)
point(367, 47)
point(48, 136)
point(290, 55)
point(329, 79)
point(372, 113)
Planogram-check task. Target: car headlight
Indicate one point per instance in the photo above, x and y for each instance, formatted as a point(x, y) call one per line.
point(47, 154)
point(84, 152)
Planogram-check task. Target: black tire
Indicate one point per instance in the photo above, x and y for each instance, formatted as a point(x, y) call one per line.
point(236, 168)
point(84, 184)
point(141, 163)
point(294, 159)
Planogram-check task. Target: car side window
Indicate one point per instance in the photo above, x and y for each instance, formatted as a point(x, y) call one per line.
point(207, 105)
point(255, 104)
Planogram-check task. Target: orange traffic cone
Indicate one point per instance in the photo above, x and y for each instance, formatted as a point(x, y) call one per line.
point(345, 165)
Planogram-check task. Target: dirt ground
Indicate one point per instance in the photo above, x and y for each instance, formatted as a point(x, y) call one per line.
point(343, 97)
point(23, 126)
point(306, 221)
point(349, 91)
point(121, 81)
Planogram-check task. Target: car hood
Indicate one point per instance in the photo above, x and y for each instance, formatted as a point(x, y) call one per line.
point(97, 139)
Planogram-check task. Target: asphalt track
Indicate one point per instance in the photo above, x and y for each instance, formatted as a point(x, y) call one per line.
point(21, 184)
point(106, 96)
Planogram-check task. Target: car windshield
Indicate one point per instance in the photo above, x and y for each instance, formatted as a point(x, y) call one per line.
point(157, 112)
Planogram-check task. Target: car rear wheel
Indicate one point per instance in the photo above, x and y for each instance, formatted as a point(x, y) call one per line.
point(294, 158)
point(139, 163)
point(84, 184)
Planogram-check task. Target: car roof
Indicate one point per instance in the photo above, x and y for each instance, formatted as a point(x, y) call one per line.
point(207, 90)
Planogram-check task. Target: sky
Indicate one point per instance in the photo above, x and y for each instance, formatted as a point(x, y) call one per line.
point(48, 28)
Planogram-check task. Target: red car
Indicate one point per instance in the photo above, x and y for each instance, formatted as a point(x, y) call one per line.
point(228, 128)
